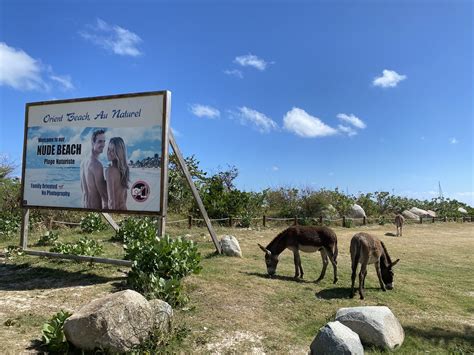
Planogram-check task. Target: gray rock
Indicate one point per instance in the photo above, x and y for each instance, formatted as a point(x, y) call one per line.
point(419, 212)
point(162, 315)
point(431, 213)
point(356, 211)
point(409, 215)
point(230, 246)
point(376, 325)
point(462, 210)
point(336, 338)
point(116, 322)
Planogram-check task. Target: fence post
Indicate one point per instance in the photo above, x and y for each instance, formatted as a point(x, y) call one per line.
point(230, 221)
point(421, 220)
point(433, 220)
point(343, 221)
point(295, 221)
point(321, 220)
point(445, 218)
point(264, 220)
point(364, 221)
point(190, 221)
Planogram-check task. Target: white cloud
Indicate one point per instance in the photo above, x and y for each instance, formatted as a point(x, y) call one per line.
point(19, 70)
point(204, 111)
point(453, 141)
point(275, 168)
point(305, 125)
point(348, 130)
point(113, 38)
point(22, 72)
point(251, 60)
point(234, 72)
point(353, 120)
point(259, 120)
point(64, 80)
point(390, 78)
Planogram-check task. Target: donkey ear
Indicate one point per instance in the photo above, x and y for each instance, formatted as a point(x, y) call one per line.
point(395, 262)
point(265, 250)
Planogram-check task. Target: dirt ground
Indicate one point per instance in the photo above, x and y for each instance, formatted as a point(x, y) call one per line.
point(33, 289)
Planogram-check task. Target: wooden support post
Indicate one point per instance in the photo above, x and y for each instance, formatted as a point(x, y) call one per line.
point(25, 219)
point(343, 221)
point(111, 221)
point(433, 220)
point(184, 169)
point(364, 220)
point(79, 257)
point(190, 221)
point(295, 221)
point(445, 218)
point(230, 221)
point(264, 220)
point(321, 220)
point(421, 220)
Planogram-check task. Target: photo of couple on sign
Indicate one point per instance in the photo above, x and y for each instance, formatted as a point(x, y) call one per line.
point(107, 192)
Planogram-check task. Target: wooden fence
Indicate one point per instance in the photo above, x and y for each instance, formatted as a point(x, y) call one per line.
point(343, 221)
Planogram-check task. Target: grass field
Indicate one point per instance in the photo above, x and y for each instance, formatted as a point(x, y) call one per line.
point(235, 308)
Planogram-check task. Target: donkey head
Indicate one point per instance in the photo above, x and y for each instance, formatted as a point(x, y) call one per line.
point(387, 273)
point(270, 260)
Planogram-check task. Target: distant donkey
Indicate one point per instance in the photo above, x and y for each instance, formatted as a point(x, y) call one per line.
point(305, 239)
point(368, 249)
point(399, 220)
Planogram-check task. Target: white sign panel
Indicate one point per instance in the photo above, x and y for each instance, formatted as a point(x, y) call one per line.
point(101, 154)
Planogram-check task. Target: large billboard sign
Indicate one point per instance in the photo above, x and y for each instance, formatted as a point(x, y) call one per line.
point(106, 154)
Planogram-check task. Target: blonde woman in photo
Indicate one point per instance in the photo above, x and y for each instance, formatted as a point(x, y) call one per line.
point(117, 174)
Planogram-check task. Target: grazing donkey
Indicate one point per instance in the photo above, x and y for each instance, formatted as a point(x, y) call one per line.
point(367, 249)
point(306, 239)
point(399, 220)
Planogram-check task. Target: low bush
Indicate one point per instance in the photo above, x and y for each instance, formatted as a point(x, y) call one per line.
point(92, 222)
point(84, 246)
point(131, 226)
point(9, 225)
point(53, 333)
point(49, 238)
point(159, 264)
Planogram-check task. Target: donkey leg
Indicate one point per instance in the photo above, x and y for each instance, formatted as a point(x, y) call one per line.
point(362, 274)
point(353, 277)
point(298, 267)
point(324, 257)
point(379, 274)
point(401, 231)
point(333, 262)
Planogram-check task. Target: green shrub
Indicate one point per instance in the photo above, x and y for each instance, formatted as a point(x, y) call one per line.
point(9, 225)
point(53, 333)
point(382, 220)
point(131, 226)
point(348, 223)
point(85, 246)
point(159, 264)
point(92, 223)
point(49, 238)
point(12, 251)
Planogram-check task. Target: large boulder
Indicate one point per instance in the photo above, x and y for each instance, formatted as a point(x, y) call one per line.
point(431, 213)
point(336, 338)
point(409, 215)
point(162, 315)
point(116, 322)
point(230, 246)
point(376, 325)
point(462, 210)
point(419, 212)
point(356, 211)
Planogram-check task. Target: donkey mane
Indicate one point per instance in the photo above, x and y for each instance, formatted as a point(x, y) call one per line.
point(385, 255)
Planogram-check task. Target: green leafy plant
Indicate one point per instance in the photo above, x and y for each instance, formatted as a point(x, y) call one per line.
point(84, 246)
point(92, 222)
point(382, 220)
point(53, 333)
point(131, 226)
point(49, 238)
point(12, 251)
point(159, 264)
point(9, 225)
point(348, 222)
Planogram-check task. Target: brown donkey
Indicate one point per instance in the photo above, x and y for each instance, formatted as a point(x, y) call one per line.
point(367, 249)
point(399, 220)
point(305, 239)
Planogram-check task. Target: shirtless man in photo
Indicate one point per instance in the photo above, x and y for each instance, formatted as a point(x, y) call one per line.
point(93, 186)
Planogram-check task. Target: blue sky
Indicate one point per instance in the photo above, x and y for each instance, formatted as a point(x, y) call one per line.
point(367, 96)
